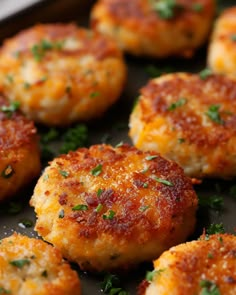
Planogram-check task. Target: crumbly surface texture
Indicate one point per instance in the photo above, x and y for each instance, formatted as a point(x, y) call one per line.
point(111, 208)
point(222, 49)
point(206, 266)
point(32, 267)
point(61, 73)
point(19, 151)
point(141, 28)
point(190, 119)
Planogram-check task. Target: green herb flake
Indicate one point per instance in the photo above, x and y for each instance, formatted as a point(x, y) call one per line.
point(4, 291)
point(97, 170)
point(151, 274)
point(143, 208)
point(74, 138)
point(198, 7)
point(99, 192)
point(20, 263)
point(214, 115)
point(44, 274)
point(61, 214)
point(166, 9)
point(120, 144)
point(10, 78)
point(163, 181)
point(51, 135)
point(210, 255)
point(68, 89)
point(94, 94)
point(99, 208)
point(80, 207)
point(45, 177)
point(181, 140)
point(111, 285)
point(64, 173)
point(39, 50)
point(9, 110)
point(7, 172)
point(204, 74)
point(110, 215)
point(214, 202)
point(182, 101)
point(154, 72)
point(149, 158)
point(145, 185)
point(27, 85)
point(215, 228)
point(233, 37)
point(209, 288)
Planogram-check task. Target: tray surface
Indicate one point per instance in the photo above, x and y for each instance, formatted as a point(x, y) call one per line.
point(113, 128)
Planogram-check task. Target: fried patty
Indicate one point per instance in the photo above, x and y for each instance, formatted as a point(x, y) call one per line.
point(206, 266)
point(61, 73)
point(111, 208)
point(19, 150)
point(222, 49)
point(32, 267)
point(155, 28)
point(190, 119)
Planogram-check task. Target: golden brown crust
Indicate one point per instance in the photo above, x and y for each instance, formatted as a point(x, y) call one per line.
point(62, 73)
point(19, 151)
point(189, 126)
point(186, 266)
point(30, 266)
point(222, 50)
point(147, 214)
point(136, 26)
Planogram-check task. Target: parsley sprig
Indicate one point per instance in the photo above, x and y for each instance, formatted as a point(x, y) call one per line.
point(166, 9)
point(214, 114)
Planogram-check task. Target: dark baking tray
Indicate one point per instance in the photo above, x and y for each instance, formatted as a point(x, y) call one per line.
point(112, 128)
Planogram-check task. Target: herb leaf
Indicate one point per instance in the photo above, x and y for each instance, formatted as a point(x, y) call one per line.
point(213, 202)
point(209, 288)
point(10, 109)
point(215, 228)
point(64, 173)
point(204, 74)
point(163, 181)
point(97, 170)
point(4, 291)
point(151, 274)
point(20, 263)
point(154, 72)
point(182, 101)
point(110, 215)
point(80, 207)
point(166, 8)
point(214, 115)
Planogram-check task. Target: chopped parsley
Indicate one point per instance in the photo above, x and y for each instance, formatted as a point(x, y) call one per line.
point(198, 7)
point(64, 173)
point(233, 37)
point(151, 274)
point(204, 74)
point(182, 101)
point(61, 214)
point(154, 72)
point(181, 140)
point(74, 138)
point(98, 208)
point(121, 143)
point(215, 228)
point(210, 255)
point(10, 78)
point(97, 170)
point(80, 207)
point(163, 181)
point(7, 172)
point(26, 223)
point(20, 263)
point(143, 208)
point(99, 192)
point(166, 9)
point(214, 115)
point(110, 215)
point(10, 109)
point(39, 50)
point(145, 185)
point(27, 85)
point(111, 285)
point(149, 158)
point(95, 94)
point(51, 135)
point(213, 202)
point(209, 288)
point(4, 291)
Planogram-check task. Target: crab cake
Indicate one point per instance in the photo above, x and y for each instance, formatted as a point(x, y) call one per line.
point(206, 266)
point(32, 267)
point(222, 49)
point(190, 119)
point(19, 150)
point(111, 208)
point(155, 28)
point(61, 73)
